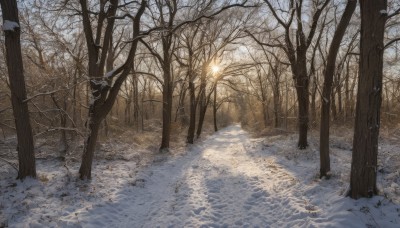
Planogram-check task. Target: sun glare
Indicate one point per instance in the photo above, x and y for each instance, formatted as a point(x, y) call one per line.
point(215, 69)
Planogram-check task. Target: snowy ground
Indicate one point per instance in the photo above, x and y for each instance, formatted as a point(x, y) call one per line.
point(228, 180)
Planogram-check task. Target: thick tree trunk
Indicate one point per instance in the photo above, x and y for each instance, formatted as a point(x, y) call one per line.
point(325, 166)
point(167, 110)
point(93, 125)
point(369, 98)
point(202, 114)
point(26, 156)
point(302, 82)
point(333, 105)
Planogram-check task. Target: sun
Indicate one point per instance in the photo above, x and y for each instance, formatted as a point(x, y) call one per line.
point(215, 69)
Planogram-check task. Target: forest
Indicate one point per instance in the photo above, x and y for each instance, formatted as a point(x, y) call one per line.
point(209, 113)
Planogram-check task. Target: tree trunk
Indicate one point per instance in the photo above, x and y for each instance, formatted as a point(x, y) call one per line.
point(202, 100)
point(136, 109)
point(26, 156)
point(127, 111)
point(313, 106)
point(339, 96)
point(215, 109)
point(333, 104)
point(202, 114)
point(286, 105)
point(301, 81)
point(193, 106)
point(180, 109)
point(369, 98)
point(93, 125)
point(346, 94)
point(265, 112)
point(263, 98)
point(104, 93)
point(63, 146)
point(277, 104)
point(167, 110)
point(327, 88)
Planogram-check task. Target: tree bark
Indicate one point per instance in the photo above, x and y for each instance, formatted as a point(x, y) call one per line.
point(26, 156)
point(369, 98)
point(93, 125)
point(215, 109)
point(193, 106)
point(167, 109)
point(302, 83)
point(327, 88)
point(202, 100)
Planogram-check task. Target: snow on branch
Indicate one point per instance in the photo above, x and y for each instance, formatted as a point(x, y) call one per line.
point(114, 71)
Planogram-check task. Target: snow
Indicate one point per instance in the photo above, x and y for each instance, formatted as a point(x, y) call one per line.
point(10, 25)
point(384, 12)
point(228, 180)
point(110, 73)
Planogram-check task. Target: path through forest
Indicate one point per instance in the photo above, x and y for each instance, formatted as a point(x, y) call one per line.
point(218, 184)
point(227, 181)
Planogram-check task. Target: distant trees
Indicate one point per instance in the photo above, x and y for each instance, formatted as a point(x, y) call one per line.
point(12, 31)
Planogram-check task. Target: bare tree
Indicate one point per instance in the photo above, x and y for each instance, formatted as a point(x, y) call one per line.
point(104, 87)
point(26, 156)
point(369, 98)
point(327, 89)
point(297, 54)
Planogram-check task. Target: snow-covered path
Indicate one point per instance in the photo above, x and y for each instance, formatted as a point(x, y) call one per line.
point(228, 180)
point(223, 182)
point(216, 184)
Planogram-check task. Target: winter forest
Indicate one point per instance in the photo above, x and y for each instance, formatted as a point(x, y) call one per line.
point(210, 113)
